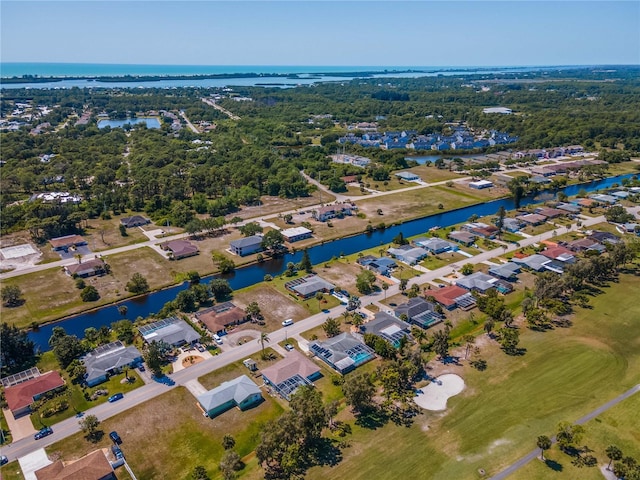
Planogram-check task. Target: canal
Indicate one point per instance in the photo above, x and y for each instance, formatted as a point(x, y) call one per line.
point(252, 274)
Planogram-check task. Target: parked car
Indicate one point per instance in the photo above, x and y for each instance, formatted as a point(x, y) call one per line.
point(217, 339)
point(117, 452)
point(141, 368)
point(3, 459)
point(115, 438)
point(287, 323)
point(115, 397)
point(46, 431)
point(288, 346)
point(200, 347)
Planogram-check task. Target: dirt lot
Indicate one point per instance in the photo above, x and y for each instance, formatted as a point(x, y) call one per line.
point(273, 205)
point(342, 274)
point(274, 305)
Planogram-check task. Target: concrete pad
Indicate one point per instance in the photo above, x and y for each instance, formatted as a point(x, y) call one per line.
point(18, 251)
point(435, 395)
point(32, 462)
point(195, 388)
point(21, 427)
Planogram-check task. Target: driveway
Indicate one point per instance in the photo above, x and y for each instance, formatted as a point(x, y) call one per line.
point(21, 427)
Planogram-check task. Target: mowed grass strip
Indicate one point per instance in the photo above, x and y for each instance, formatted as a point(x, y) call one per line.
point(564, 374)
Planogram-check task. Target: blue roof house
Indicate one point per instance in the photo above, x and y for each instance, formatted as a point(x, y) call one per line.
point(240, 392)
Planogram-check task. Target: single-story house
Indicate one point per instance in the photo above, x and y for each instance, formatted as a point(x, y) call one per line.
point(559, 254)
point(93, 466)
point(296, 234)
point(388, 327)
point(294, 371)
point(382, 265)
point(506, 271)
point(20, 397)
point(512, 224)
point(465, 238)
point(86, 269)
point(419, 312)
point(246, 245)
point(221, 316)
point(108, 360)
point(550, 212)
point(569, 208)
point(585, 244)
point(630, 227)
point(480, 229)
point(173, 331)
point(602, 198)
point(349, 178)
point(308, 286)
point(343, 352)
point(479, 184)
point(436, 245)
point(481, 282)
point(540, 179)
point(328, 212)
point(240, 392)
point(604, 237)
point(620, 194)
point(532, 218)
point(584, 202)
point(453, 296)
point(134, 221)
point(535, 262)
point(66, 242)
point(180, 248)
point(408, 176)
point(408, 255)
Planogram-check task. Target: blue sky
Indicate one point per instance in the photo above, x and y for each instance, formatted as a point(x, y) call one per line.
point(421, 33)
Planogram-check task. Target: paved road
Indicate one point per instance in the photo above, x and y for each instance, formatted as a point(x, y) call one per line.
point(213, 104)
point(147, 392)
point(590, 416)
point(189, 124)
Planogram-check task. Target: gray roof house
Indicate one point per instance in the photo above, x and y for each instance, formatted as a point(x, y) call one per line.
point(481, 282)
point(309, 286)
point(506, 271)
point(294, 371)
point(435, 245)
point(387, 326)
point(172, 330)
point(420, 312)
point(534, 262)
point(240, 392)
point(343, 352)
point(464, 238)
point(246, 245)
point(408, 255)
point(107, 360)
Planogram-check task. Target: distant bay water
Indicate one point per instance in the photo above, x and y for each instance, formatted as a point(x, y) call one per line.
point(84, 74)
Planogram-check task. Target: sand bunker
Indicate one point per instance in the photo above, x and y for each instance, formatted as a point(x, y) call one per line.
point(435, 395)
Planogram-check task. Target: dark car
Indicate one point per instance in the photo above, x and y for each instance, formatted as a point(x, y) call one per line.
point(3, 459)
point(115, 397)
point(141, 367)
point(115, 438)
point(46, 431)
point(117, 452)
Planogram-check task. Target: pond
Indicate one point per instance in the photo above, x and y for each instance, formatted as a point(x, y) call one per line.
point(152, 122)
point(253, 274)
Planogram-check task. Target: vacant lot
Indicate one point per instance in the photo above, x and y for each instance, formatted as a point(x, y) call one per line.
point(430, 174)
point(275, 306)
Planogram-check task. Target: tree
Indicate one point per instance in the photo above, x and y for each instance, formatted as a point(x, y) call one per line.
point(273, 241)
point(467, 269)
point(358, 391)
point(11, 296)
point(331, 327)
point(253, 310)
point(469, 340)
point(403, 284)
point(287, 218)
point(225, 265)
point(89, 426)
point(230, 464)
point(16, 349)
point(89, 294)
point(365, 281)
point(400, 240)
point(264, 337)
point(305, 262)
point(613, 453)
point(200, 473)
point(509, 339)
point(500, 220)
point(154, 357)
point(123, 231)
point(137, 284)
point(122, 310)
point(441, 343)
point(228, 442)
point(544, 443)
point(76, 371)
point(568, 435)
point(618, 214)
point(66, 348)
point(124, 330)
point(385, 287)
point(220, 288)
point(252, 228)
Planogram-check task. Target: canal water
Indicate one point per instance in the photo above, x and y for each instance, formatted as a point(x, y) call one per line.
point(152, 122)
point(250, 275)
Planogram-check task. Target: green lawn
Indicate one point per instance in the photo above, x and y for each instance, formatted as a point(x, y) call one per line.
point(11, 471)
point(564, 374)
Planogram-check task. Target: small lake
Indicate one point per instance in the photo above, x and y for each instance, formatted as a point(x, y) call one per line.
point(244, 277)
point(152, 122)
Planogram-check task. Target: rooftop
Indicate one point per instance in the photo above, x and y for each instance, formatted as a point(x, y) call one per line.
point(171, 330)
point(237, 390)
point(21, 395)
point(93, 466)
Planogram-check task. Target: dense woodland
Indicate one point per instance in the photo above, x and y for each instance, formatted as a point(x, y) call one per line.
point(168, 177)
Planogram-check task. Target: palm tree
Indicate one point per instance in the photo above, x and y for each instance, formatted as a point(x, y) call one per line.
point(488, 325)
point(346, 315)
point(613, 453)
point(264, 337)
point(78, 256)
point(543, 443)
point(469, 340)
point(385, 287)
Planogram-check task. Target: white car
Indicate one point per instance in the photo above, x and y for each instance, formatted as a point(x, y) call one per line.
point(217, 339)
point(287, 323)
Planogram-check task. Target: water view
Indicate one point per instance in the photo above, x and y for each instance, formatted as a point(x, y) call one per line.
point(151, 122)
